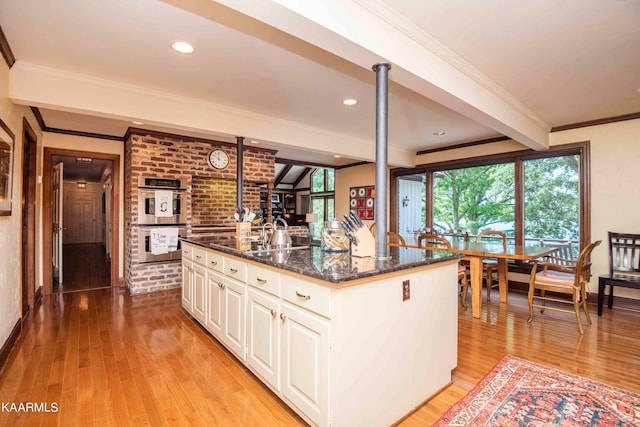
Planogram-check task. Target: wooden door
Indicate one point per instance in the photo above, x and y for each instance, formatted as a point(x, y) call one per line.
point(57, 221)
point(80, 217)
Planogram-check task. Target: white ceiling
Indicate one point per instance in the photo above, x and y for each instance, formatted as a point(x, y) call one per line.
point(472, 69)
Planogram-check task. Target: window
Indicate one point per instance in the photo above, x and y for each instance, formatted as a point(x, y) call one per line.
point(552, 202)
point(475, 199)
point(534, 197)
point(322, 196)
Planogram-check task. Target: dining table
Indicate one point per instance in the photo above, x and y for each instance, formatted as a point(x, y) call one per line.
point(475, 252)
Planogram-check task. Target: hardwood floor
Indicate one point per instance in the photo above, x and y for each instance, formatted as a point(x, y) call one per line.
point(85, 266)
point(107, 358)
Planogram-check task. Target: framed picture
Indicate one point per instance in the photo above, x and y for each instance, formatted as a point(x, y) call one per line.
point(6, 168)
point(362, 201)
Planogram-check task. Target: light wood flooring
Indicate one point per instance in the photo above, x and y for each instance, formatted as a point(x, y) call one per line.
point(107, 358)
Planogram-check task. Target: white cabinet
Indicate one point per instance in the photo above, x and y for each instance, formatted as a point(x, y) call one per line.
point(263, 336)
point(199, 290)
point(193, 282)
point(305, 362)
point(215, 303)
point(234, 320)
point(187, 277)
point(314, 344)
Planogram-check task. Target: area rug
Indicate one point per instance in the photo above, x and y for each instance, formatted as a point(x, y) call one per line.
point(517, 392)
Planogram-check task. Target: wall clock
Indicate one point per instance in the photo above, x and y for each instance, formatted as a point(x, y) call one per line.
point(218, 159)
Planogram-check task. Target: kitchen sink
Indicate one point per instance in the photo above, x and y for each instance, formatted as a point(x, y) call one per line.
point(271, 250)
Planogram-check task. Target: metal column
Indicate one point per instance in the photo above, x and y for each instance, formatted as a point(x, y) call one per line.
point(239, 172)
point(382, 92)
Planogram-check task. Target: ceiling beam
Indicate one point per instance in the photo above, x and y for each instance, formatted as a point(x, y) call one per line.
point(285, 170)
point(367, 32)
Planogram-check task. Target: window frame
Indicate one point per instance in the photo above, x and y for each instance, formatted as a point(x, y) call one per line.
point(582, 149)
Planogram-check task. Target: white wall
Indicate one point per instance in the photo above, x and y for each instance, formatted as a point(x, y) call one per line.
point(10, 226)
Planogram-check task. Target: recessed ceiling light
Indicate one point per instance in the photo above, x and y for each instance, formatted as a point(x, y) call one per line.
point(350, 102)
point(337, 156)
point(439, 133)
point(182, 47)
point(253, 141)
point(135, 122)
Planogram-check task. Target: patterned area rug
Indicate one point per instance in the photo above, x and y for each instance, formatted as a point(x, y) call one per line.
point(517, 392)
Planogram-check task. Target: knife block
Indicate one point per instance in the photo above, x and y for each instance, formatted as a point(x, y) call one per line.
point(366, 245)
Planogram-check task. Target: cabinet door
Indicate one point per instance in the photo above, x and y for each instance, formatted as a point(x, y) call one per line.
point(305, 362)
point(187, 285)
point(215, 302)
point(234, 316)
point(199, 290)
point(263, 336)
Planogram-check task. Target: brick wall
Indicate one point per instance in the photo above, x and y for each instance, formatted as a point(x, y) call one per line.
point(213, 201)
point(177, 157)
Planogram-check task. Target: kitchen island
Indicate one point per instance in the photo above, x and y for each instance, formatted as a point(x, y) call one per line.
point(342, 340)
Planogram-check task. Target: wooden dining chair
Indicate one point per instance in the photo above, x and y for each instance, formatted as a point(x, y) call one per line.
point(563, 279)
point(394, 239)
point(624, 266)
point(490, 265)
point(430, 241)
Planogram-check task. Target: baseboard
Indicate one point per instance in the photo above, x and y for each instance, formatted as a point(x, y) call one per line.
point(10, 343)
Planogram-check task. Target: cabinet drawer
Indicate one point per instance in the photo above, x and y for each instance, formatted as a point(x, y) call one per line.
point(235, 268)
point(313, 297)
point(214, 261)
point(264, 279)
point(187, 251)
point(199, 255)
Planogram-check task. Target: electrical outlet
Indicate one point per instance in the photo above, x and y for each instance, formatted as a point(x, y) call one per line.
point(406, 290)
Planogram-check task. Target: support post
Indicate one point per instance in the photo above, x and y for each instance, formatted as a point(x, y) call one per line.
point(239, 172)
point(382, 92)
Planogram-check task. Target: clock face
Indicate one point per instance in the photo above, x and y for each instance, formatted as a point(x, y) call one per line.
point(218, 159)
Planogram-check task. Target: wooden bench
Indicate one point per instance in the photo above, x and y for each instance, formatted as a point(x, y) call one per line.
point(624, 266)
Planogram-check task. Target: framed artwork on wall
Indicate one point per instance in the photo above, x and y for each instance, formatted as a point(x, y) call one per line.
point(6, 168)
point(362, 201)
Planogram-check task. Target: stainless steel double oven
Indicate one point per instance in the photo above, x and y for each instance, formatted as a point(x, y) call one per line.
point(148, 190)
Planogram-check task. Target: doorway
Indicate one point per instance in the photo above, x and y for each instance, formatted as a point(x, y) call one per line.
point(80, 230)
point(29, 294)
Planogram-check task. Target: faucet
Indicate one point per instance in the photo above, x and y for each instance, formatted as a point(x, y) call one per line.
point(263, 241)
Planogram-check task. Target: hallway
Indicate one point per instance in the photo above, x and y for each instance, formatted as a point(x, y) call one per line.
point(85, 266)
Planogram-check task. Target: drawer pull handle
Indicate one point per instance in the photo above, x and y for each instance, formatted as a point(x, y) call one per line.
point(263, 281)
point(303, 296)
point(283, 316)
point(214, 262)
point(233, 270)
point(221, 285)
point(190, 268)
point(198, 257)
point(273, 313)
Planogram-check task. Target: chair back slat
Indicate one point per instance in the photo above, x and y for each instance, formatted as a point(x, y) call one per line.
point(624, 253)
point(493, 236)
point(431, 240)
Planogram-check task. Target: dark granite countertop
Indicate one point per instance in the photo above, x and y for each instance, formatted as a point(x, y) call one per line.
point(307, 258)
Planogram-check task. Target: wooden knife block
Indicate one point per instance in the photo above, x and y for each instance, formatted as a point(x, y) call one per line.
point(366, 245)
